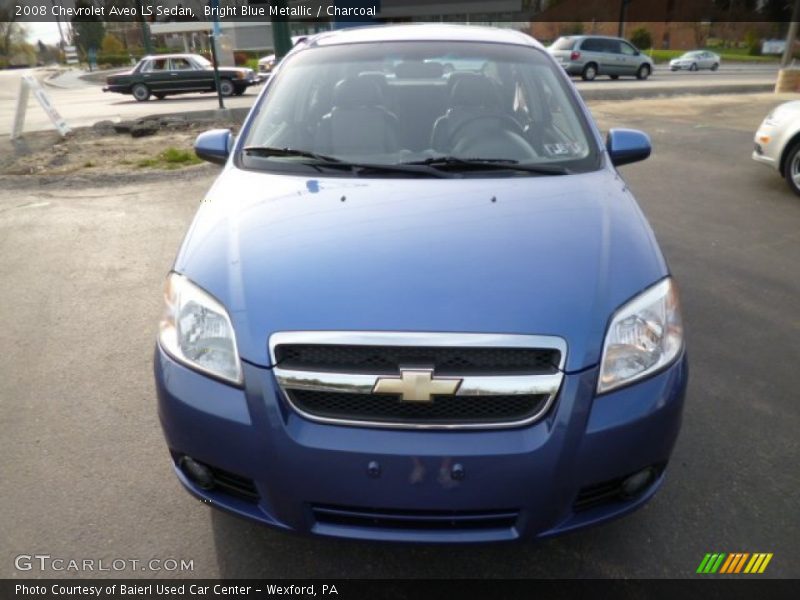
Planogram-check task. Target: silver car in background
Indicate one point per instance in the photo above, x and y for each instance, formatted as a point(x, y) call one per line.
point(695, 60)
point(593, 55)
point(777, 142)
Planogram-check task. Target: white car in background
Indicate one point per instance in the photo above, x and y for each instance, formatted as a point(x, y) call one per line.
point(777, 142)
point(695, 60)
point(267, 63)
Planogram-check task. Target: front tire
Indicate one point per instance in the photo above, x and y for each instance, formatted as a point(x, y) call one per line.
point(792, 169)
point(226, 87)
point(715, 66)
point(141, 92)
point(589, 72)
point(643, 72)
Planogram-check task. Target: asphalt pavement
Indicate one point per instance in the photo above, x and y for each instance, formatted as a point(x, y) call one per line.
point(86, 474)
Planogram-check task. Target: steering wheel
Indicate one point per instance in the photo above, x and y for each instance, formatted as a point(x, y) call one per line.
point(507, 123)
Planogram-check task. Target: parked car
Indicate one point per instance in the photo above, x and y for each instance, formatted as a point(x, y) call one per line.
point(695, 60)
point(166, 74)
point(267, 63)
point(593, 55)
point(777, 142)
point(419, 303)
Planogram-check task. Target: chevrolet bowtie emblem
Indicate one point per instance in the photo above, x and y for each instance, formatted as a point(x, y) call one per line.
point(416, 385)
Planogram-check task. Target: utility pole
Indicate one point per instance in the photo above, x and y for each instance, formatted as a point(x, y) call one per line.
point(790, 37)
point(281, 37)
point(212, 38)
point(623, 8)
point(146, 42)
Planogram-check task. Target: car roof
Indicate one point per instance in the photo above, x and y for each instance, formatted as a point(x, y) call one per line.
point(422, 32)
point(593, 37)
point(174, 55)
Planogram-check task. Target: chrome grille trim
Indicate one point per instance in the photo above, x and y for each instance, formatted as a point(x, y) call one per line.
point(359, 383)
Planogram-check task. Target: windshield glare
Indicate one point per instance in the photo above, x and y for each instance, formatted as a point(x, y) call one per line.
point(395, 103)
point(203, 62)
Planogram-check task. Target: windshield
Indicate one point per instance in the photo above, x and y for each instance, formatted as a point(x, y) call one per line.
point(203, 62)
point(410, 102)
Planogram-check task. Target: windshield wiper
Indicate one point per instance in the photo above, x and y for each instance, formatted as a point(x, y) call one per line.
point(450, 162)
point(276, 151)
point(337, 163)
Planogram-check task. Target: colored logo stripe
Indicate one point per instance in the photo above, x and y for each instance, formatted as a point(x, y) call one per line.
point(710, 563)
point(734, 563)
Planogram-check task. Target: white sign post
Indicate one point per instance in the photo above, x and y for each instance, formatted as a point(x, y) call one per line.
point(27, 84)
point(71, 55)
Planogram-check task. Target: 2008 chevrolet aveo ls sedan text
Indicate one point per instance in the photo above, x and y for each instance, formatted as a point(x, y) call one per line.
point(419, 303)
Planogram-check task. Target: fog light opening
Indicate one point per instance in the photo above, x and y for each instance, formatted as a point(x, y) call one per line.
point(199, 474)
point(637, 483)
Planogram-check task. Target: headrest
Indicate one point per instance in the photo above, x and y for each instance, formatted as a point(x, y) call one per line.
point(471, 89)
point(418, 70)
point(356, 91)
point(374, 77)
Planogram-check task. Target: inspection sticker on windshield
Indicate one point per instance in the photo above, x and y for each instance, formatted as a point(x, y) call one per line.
point(563, 149)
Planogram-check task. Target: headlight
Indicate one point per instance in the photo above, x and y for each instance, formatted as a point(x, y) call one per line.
point(196, 330)
point(644, 335)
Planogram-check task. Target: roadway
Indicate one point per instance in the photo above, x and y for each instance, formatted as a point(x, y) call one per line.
point(86, 473)
point(82, 103)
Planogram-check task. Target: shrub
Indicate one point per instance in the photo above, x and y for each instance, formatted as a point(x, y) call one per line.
point(112, 45)
point(641, 38)
point(753, 43)
point(114, 60)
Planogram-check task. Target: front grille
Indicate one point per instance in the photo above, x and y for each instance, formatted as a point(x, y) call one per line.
point(417, 520)
point(441, 409)
point(418, 379)
point(386, 360)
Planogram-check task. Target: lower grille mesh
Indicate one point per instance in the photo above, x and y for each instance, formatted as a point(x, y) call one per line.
point(414, 519)
point(441, 409)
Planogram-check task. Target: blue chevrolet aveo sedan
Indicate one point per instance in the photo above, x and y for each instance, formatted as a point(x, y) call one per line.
point(420, 303)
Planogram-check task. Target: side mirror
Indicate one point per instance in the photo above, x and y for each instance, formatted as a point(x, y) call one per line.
point(627, 146)
point(214, 146)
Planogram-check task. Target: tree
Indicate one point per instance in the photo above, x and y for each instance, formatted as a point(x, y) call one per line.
point(641, 38)
point(87, 32)
point(112, 45)
point(11, 32)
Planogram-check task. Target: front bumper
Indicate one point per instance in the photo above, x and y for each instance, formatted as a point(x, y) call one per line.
point(304, 472)
point(572, 68)
point(767, 147)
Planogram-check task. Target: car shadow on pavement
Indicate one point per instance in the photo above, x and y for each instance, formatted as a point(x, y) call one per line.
point(175, 100)
point(249, 550)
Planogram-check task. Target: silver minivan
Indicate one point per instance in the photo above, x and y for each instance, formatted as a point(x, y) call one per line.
point(592, 55)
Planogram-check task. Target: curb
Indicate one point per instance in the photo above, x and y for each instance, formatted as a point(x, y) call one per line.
point(669, 91)
point(232, 114)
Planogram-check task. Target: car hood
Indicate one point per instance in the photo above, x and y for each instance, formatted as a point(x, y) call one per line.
point(549, 255)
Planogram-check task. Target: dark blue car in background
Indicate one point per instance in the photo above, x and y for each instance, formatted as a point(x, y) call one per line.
point(420, 303)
